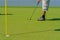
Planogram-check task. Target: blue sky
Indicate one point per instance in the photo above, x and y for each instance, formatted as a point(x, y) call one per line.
point(28, 2)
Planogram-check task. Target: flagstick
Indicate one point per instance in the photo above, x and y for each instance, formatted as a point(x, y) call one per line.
point(6, 19)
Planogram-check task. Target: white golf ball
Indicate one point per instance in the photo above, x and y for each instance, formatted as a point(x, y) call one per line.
point(7, 35)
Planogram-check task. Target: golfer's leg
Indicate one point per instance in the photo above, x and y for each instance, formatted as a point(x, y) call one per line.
point(44, 8)
point(45, 4)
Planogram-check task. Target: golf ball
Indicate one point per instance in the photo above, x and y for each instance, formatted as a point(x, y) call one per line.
point(7, 35)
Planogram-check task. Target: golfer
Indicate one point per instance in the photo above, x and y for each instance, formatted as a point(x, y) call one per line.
point(45, 5)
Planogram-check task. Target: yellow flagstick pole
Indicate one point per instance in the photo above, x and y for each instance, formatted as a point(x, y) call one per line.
point(6, 19)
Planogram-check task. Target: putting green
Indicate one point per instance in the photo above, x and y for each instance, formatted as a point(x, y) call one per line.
point(20, 28)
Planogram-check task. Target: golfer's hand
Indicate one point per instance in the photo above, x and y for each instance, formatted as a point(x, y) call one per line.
point(38, 1)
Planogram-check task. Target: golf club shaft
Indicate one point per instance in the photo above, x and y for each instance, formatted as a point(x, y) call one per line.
point(34, 11)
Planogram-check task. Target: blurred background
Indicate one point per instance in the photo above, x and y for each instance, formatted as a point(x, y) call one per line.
point(54, 3)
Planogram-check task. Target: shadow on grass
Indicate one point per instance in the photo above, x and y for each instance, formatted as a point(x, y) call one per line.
point(57, 30)
point(53, 19)
point(6, 14)
point(36, 32)
point(28, 33)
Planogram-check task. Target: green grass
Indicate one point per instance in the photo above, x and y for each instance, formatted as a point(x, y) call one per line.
point(20, 28)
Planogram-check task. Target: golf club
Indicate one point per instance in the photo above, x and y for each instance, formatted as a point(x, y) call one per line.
point(33, 11)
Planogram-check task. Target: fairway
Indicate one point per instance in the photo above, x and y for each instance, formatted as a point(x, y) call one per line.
point(21, 28)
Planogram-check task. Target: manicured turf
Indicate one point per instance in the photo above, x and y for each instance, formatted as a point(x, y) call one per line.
point(21, 28)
